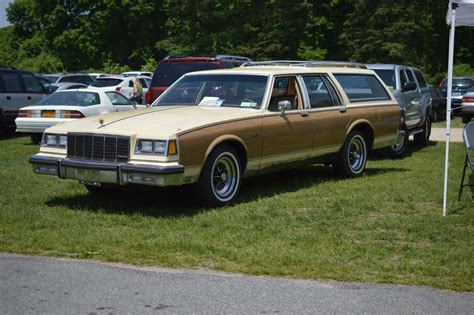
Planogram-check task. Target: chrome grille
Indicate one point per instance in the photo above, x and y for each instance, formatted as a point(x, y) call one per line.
point(98, 148)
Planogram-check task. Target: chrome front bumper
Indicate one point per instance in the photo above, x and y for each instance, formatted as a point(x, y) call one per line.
point(96, 173)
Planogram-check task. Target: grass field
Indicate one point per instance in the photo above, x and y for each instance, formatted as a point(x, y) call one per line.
point(384, 227)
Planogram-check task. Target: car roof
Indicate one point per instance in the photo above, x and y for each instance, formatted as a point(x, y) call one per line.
point(280, 70)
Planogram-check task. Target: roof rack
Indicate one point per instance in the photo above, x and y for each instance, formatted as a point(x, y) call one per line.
point(227, 57)
point(306, 63)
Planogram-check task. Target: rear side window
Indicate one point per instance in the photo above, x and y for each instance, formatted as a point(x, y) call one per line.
point(168, 72)
point(11, 83)
point(318, 92)
point(32, 84)
point(71, 98)
point(420, 78)
point(362, 88)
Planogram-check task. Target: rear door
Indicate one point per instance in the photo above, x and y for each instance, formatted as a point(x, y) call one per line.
point(34, 90)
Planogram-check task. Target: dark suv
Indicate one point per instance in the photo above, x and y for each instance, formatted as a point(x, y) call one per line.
point(171, 69)
point(18, 88)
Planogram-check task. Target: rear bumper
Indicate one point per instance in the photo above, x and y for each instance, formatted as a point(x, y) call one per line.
point(96, 173)
point(37, 125)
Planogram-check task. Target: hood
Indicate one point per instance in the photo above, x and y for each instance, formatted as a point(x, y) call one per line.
point(155, 122)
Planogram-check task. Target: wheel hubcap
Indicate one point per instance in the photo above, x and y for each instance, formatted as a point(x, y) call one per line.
point(357, 152)
point(225, 176)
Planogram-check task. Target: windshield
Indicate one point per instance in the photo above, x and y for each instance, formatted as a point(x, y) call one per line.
point(71, 98)
point(388, 77)
point(106, 82)
point(168, 72)
point(227, 90)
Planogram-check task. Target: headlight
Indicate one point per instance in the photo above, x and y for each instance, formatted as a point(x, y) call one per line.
point(156, 147)
point(53, 140)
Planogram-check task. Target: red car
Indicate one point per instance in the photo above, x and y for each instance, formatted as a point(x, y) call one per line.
point(171, 69)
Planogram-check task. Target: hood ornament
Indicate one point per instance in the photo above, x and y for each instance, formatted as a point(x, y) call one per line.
point(101, 122)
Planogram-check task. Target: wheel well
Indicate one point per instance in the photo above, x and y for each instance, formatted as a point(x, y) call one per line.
point(240, 149)
point(368, 133)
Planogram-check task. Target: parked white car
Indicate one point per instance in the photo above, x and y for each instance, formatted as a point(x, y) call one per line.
point(120, 84)
point(69, 105)
point(467, 106)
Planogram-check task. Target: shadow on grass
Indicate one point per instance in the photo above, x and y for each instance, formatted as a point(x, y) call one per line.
point(180, 202)
point(411, 149)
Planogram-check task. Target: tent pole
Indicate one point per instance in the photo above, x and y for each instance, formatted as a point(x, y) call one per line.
point(449, 97)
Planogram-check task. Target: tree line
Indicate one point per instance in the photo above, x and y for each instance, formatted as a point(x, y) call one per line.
point(115, 35)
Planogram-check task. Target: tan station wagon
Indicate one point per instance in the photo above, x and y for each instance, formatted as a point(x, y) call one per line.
point(212, 128)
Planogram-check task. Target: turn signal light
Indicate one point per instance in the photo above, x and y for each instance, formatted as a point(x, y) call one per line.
point(71, 114)
point(172, 150)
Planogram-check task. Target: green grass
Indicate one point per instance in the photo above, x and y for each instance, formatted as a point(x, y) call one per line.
point(456, 122)
point(384, 227)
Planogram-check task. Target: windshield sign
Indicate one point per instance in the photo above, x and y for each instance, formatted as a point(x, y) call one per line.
point(226, 90)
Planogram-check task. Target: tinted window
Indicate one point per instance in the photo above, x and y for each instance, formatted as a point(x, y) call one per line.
point(106, 82)
point(244, 91)
point(318, 92)
point(143, 82)
point(388, 77)
point(72, 87)
point(410, 75)
point(362, 88)
point(168, 72)
point(11, 82)
point(403, 78)
point(51, 78)
point(420, 79)
point(118, 99)
point(32, 84)
point(71, 98)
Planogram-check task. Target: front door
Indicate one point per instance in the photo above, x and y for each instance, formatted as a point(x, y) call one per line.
point(287, 135)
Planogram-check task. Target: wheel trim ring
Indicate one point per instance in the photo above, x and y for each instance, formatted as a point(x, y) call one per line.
point(357, 145)
point(232, 169)
point(399, 146)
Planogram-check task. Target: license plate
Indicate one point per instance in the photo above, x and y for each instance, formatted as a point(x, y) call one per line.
point(48, 113)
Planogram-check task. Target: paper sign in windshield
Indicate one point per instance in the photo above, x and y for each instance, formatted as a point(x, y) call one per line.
point(248, 104)
point(211, 101)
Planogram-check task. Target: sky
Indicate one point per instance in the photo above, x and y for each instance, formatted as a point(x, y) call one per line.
point(3, 17)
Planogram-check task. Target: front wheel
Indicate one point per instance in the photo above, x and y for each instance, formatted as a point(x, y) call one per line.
point(351, 160)
point(219, 182)
point(423, 138)
point(398, 149)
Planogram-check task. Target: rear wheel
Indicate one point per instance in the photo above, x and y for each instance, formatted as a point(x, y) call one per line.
point(219, 182)
point(423, 138)
point(398, 149)
point(351, 160)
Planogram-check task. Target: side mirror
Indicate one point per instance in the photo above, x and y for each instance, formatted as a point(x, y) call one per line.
point(284, 106)
point(409, 86)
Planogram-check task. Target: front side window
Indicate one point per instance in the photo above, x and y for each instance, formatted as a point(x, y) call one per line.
point(245, 91)
point(362, 87)
point(71, 98)
point(118, 99)
point(403, 78)
point(285, 89)
point(32, 84)
point(411, 78)
point(11, 82)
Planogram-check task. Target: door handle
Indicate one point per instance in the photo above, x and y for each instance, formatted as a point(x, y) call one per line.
point(28, 97)
point(9, 98)
point(342, 109)
point(304, 114)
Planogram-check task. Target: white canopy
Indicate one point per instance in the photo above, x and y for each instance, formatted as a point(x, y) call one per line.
point(460, 13)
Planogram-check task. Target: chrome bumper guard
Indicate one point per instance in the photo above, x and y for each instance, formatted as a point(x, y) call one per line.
point(96, 173)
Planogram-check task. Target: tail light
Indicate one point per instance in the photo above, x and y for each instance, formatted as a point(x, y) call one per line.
point(467, 99)
point(148, 97)
point(24, 113)
point(71, 114)
point(117, 89)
